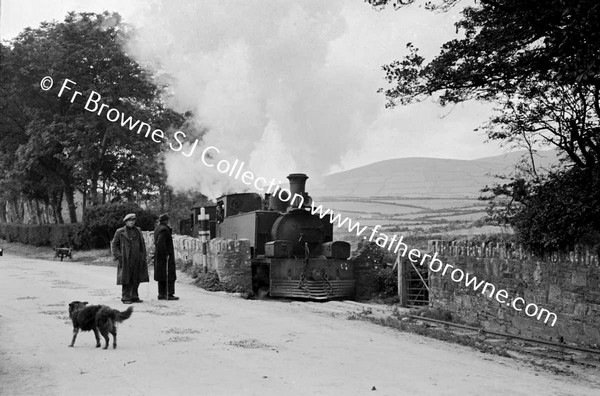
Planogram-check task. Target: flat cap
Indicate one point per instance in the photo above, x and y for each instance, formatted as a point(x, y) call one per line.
point(163, 217)
point(130, 216)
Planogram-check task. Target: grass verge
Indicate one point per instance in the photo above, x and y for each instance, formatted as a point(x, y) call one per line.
point(87, 257)
point(406, 324)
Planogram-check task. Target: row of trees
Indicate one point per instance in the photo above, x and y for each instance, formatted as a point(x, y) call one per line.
point(52, 149)
point(539, 61)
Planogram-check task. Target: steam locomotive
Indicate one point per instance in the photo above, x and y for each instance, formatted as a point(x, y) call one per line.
point(293, 253)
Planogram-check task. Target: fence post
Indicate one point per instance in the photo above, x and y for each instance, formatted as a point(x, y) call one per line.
point(204, 233)
point(401, 281)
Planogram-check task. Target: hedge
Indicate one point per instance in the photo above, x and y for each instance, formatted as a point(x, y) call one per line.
point(97, 230)
point(61, 235)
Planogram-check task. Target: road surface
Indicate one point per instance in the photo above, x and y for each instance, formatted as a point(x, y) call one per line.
point(218, 344)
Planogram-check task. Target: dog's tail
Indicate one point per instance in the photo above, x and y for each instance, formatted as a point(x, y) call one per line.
point(121, 316)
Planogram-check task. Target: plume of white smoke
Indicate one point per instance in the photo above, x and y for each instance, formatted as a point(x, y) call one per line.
point(259, 76)
point(283, 85)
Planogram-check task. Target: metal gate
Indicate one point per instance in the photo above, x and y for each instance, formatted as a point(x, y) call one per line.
point(413, 283)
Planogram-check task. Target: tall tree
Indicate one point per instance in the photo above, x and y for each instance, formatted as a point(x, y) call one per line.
point(82, 149)
point(540, 61)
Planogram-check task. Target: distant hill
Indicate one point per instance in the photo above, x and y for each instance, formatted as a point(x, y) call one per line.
point(424, 177)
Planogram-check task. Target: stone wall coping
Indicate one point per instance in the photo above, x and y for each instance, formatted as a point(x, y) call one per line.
point(509, 250)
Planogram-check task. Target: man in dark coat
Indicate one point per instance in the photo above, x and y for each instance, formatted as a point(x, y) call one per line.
point(164, 259)
point(128, 247)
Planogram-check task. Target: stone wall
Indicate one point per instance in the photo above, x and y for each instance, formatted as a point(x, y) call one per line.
point(566, 284)
point(188, 250)
point(231, 260)
point(228, 258)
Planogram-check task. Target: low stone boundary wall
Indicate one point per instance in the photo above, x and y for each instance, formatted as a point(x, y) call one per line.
point(230, 259)
point(568, 285)
point(188, 250)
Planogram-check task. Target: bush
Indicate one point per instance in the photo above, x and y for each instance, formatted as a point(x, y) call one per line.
point(102, 221)
point(386, 282)
point(369, 254)
point(373, 275)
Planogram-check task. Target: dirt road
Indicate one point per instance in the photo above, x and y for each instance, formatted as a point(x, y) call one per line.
point(218, 344)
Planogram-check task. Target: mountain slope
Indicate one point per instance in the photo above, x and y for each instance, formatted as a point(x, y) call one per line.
point(423, 177)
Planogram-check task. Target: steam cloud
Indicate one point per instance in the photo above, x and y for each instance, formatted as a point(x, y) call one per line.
point(260, 77)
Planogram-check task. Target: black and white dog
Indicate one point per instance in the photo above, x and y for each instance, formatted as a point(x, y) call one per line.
point(99, 318)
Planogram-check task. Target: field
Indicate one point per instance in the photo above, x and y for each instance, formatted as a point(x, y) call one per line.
point(432, 217)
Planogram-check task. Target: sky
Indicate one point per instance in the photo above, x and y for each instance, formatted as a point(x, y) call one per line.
point(286, 86)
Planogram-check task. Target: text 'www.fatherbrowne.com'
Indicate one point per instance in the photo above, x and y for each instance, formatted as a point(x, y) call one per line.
point(395, 244)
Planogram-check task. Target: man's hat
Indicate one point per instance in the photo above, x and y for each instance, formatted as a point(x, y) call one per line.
point(130, 216)
point(163, 217)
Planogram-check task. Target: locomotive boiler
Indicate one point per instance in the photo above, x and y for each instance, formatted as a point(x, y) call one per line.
point(293, 253)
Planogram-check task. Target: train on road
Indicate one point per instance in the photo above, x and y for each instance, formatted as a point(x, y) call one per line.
point(292, 251)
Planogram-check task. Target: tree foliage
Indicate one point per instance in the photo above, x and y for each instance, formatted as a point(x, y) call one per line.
point(178, 205)
point(539, 61)
point(560, 213)
point(101, 221)
point(53, 144)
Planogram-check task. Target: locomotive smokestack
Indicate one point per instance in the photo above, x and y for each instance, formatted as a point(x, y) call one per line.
point(299, 197)
point(297, 183)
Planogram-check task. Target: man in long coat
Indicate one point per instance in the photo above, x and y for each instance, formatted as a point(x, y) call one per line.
point(128, 247)
point(164, 259)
